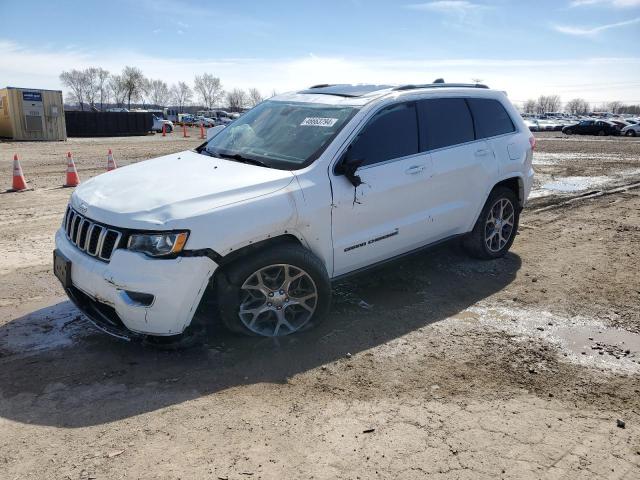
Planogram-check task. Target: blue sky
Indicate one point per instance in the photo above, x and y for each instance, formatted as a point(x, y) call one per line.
point(587, 48)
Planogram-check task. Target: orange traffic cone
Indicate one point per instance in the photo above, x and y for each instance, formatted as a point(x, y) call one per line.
point(184, 131)
point(111, 163)
point(72, 173)
point(201, 132)
point(164, 129)
point(19, 183)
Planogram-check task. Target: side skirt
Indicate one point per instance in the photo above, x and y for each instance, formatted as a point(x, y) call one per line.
point(383, 263)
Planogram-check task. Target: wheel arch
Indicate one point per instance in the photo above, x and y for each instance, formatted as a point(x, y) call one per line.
point(515, 184)
point(255, 247)
point(208, 303)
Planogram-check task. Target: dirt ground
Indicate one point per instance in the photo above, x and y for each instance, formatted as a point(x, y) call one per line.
point(437, 367)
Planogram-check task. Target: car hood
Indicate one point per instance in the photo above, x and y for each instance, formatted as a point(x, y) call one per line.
point(157, 192)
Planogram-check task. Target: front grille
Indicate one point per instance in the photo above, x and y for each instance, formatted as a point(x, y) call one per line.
point(97, 240)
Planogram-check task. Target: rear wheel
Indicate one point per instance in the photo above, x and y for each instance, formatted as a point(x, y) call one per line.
point(601, 133)
point(631, 133)
point(496, 227)
point(275, 292)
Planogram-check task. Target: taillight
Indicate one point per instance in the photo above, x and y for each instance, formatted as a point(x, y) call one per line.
point(532, 142)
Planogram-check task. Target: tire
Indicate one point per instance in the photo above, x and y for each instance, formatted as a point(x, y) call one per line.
point(568, 132)
point(257, 285)
point(601, 133)
point(168, 129)
point(631, 133)
point(482, 242)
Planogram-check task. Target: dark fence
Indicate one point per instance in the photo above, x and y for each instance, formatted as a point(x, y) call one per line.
point(107, 124)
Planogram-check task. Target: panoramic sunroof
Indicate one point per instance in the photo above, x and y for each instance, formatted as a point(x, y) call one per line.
point(345, 90)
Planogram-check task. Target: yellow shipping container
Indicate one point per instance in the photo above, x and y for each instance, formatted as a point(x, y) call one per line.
point(32, 114)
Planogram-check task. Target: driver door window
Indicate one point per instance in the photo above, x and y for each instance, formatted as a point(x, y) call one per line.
point(392, 133)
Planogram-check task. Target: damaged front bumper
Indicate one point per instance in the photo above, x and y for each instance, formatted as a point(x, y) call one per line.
point(133, 295)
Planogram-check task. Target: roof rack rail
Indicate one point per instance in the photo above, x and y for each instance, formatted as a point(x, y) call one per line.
point(441, 85)
point(321, 85)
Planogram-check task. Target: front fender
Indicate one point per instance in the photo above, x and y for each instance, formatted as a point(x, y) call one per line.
point(238, 225)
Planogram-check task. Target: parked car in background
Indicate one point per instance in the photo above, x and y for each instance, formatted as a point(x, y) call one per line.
point(302, 190)
point(532, 124)
point(592, 127)
point(204, 121)
point(631, 130)
point(549, 126)
point(159, 122)
point(620, 123)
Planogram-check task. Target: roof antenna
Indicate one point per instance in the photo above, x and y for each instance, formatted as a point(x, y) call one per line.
point(439, 80)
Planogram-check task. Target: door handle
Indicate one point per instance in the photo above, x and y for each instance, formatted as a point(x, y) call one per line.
point(483, 152)
point(413, 170)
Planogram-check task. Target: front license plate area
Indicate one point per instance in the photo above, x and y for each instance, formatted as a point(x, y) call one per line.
point(62, 268)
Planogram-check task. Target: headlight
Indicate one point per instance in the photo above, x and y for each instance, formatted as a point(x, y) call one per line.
point(158, 244)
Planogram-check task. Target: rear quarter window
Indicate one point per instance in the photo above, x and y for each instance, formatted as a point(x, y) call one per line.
point(490, 117)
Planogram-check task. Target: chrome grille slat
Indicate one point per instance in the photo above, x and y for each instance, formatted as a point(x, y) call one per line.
point(75, 224)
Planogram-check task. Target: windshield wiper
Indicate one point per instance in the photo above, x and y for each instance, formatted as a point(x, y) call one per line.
point(239, 158)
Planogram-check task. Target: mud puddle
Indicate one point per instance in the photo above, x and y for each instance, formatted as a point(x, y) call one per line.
point(558, 185)
point(56, 326)
point(582, 340)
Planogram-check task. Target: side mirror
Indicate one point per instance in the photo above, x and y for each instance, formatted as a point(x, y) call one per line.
point(348, 167)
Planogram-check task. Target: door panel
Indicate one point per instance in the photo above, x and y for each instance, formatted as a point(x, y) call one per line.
point(460, 176)
point(388, 216)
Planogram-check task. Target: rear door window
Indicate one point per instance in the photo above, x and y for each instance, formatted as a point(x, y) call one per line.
point(444, 122)
point(490, 117)
point(391, 133)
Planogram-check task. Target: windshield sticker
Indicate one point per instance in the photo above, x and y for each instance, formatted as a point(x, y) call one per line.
point(318, 122)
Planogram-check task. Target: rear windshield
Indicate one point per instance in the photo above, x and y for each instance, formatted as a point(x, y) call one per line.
point(283, 135)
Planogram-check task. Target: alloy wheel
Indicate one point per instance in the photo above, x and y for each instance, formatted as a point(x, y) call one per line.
point(277, 300)
point(499, 225)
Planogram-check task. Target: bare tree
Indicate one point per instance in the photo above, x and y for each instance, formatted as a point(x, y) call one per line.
point(577, 106)
point(118, 89)
point(181, 94)
point(158, 93)
point(103, 86)
point(236, 99)
point(133, 81)
point(76, 82)
point(92, 85)
point(145, 91)
point(614, 107)
point(209, 89)
point(255, 97)
point(549, 103)
point(530, 106)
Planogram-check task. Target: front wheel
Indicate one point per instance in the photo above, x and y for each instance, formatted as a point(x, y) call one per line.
point(496, 227)
point(631, 133)
point(275, 292)
point(568, 132)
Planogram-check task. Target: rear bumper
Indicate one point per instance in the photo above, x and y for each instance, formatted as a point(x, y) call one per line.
point(99, 290)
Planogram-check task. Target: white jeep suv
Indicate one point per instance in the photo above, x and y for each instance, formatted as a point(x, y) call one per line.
point(303, 189)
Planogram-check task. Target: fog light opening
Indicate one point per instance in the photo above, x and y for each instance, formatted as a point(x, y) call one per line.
point(140, 298)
